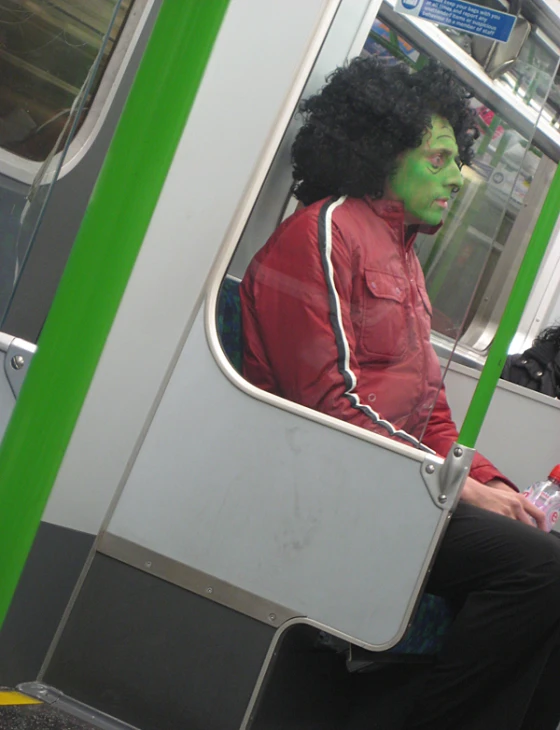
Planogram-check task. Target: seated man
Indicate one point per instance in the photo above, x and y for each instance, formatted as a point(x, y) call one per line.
point(336, 317)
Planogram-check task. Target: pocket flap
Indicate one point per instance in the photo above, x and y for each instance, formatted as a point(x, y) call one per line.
point(425, 299)
point(386, 286)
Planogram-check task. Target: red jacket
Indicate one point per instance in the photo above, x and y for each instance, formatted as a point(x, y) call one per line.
point(336, 317)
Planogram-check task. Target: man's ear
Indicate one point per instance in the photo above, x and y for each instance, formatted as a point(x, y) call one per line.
point(388, 191)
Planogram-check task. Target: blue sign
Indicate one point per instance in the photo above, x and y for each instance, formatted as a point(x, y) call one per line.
point(462, 15)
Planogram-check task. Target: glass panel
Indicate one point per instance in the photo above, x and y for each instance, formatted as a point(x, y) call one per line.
point(21, 206)
point(460, 261)
point(529, 76)
point(46, 52)
point(333, 333)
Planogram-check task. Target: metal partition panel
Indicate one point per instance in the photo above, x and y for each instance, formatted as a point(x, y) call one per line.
point(334, 527)
point(520, 431)
point(15, 358)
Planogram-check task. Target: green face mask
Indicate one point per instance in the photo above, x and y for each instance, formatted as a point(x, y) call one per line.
point(427, 175)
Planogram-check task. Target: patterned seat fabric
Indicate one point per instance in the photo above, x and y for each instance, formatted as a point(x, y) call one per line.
point(229, 321)
point(433, 616)
point(431, 622)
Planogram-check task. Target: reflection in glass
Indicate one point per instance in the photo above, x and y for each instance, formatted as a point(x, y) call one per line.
point(460, 262)
point(46, 52)
point(528, 76)
point(45, 82)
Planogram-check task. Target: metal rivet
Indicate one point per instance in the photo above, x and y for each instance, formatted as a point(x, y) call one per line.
point(272, 617)
point(539, 373)
point(209, 590)
point(372, 397)
point(148, 564)
point(18, 362)
point(524, 362)
point(430, 469)
point(458, 451)
point(442, 499)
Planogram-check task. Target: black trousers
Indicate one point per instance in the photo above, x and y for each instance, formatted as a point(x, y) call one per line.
point(499, 668)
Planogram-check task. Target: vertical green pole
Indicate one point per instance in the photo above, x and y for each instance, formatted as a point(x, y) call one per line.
point(512, 315)
point(98, 270)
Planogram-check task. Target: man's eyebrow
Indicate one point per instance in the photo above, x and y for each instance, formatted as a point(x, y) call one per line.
point(441, 144)
point(443, 151)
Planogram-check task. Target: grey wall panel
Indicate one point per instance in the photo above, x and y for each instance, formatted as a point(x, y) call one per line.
point(289, 509)
point(52, 569)
point(155, 655)
point(520, 433)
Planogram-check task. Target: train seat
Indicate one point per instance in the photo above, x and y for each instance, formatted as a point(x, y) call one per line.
point(229, 321)
point(433, 616)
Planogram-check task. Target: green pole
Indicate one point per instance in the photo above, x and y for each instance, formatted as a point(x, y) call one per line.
point(512, 315)
point(97, 272)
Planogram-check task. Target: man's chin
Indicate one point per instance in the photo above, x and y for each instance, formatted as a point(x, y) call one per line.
point(433, 218)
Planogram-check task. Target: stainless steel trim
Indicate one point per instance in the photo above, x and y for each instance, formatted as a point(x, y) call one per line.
point(266, 667)
point(444, 482)
point(544, 14)
point(75, 708)
point(494, 93)
point(5, 341)
point(24, 170)
point(179, 574)
point(245, 602)
point(17, 361)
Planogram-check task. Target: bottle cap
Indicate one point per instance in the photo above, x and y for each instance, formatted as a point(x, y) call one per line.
point(555, 473)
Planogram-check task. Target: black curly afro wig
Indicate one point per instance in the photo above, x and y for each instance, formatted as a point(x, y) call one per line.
point(365, 117)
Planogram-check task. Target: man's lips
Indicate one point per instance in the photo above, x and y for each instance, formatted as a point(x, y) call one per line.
point(442, 202)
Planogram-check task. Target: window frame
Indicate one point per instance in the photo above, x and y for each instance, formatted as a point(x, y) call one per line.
point(23, 170)
point(308, 80)
point(438, 46)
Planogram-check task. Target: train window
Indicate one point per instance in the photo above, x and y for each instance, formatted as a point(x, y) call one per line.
point(527, 74)
point(46, 52)
point(467, 264)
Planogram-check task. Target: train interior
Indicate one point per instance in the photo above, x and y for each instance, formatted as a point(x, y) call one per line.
point(197, 564)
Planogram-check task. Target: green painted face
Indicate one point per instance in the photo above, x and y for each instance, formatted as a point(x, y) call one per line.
point(427, 175)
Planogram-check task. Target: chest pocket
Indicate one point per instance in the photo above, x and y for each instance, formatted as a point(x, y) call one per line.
point(424, 298)
point(384, 330)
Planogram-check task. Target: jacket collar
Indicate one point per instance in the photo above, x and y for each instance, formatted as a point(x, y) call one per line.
point(393, 212)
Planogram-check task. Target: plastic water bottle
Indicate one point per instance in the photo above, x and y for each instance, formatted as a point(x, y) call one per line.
point(546, 496)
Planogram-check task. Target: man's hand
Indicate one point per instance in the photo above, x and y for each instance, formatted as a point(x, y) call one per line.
point(498, 484)
point(504, 501)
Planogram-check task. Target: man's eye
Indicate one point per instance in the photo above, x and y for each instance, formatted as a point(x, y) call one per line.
point(437, 160)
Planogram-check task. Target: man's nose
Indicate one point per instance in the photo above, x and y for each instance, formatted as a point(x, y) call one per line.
point(454, 177)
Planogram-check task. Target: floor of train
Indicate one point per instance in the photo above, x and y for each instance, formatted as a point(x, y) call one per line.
point(39, 717)
point(19, 711)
